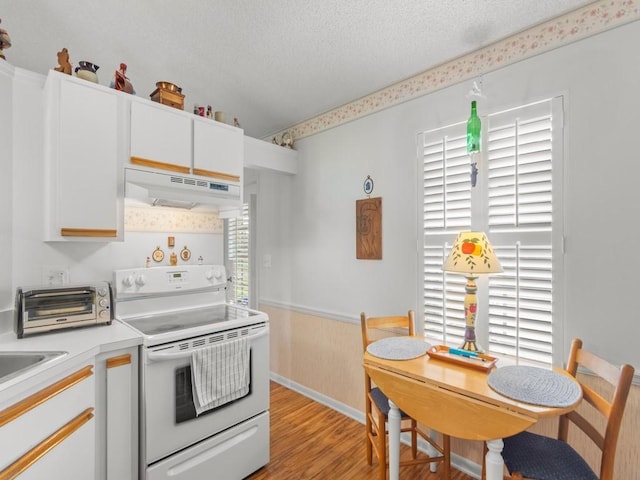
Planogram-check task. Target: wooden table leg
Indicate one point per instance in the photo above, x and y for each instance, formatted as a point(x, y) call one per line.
point(394, 441)
point(494, 461)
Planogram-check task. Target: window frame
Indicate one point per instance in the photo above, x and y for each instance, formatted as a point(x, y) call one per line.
point(479, 221)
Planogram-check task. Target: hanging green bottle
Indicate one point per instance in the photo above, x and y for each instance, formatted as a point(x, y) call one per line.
point(473, 130)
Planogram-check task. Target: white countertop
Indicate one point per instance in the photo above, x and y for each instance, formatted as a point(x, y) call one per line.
point(80, 343)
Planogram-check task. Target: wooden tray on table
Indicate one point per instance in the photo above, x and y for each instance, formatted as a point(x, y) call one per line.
point(478, 361)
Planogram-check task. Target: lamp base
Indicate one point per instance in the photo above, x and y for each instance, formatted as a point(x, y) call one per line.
point(471, 346)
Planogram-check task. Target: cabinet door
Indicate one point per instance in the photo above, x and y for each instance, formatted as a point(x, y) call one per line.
point(121, 407)
point(217, 150)
point(51, 433)
point(160, 137)
point(83, 163)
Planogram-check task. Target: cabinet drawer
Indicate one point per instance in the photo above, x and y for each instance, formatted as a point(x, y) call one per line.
point(58, 416)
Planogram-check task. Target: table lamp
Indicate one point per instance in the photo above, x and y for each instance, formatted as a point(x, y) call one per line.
point(471, 255)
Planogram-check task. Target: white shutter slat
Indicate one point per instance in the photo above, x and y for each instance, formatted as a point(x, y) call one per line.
point(238, 253)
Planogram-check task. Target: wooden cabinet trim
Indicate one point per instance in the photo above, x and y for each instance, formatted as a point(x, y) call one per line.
point(37, 452)
point(119, 361)
point(220, 175)
point(87, 232)
point(18, 409)
point(145, 162)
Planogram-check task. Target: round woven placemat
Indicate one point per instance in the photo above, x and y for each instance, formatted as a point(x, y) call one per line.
point(535, 385)
point(398, 348)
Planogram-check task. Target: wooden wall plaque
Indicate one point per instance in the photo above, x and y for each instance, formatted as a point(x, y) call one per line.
point(369, 229)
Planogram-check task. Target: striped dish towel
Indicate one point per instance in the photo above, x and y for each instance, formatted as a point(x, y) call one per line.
point(219, 374)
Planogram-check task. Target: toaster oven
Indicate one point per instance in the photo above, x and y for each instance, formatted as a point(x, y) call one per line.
point(42, 309)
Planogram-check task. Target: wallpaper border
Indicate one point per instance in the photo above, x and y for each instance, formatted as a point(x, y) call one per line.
point(571, 27)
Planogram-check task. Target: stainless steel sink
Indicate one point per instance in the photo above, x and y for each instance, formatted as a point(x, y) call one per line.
point(15, 363)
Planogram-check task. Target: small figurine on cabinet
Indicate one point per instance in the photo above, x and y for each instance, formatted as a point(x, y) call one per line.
point(64, 66)
point(286, 140)
point(121, 81)
point(209, 111)
point(5, 41)
point(87, 71)
point(236, 123)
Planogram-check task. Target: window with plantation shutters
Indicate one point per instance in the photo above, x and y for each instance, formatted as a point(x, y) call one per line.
point(237, 256)
point(517, 203)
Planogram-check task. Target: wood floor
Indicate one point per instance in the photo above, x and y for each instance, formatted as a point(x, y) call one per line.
point(311, 441)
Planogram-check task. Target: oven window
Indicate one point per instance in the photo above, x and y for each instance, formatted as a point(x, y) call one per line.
point(185, 409)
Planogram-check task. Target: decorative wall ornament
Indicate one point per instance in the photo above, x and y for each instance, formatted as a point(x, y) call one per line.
point(369, 228)
point(560, 31)
point(367, 186)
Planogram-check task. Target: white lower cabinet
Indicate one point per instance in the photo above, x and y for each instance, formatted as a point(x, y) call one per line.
point(117, 415)
point(50, 432)
point(82, 424)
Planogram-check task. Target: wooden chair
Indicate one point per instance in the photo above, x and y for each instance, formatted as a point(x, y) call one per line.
point(377, 407)
point(531, 456)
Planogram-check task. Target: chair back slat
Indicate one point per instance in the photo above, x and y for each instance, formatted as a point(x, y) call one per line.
point(379, 323)
point(584, 425)
point(602, 368)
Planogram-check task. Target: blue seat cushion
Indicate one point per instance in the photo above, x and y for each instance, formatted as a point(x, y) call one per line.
point(382, 402)
point(544, 458)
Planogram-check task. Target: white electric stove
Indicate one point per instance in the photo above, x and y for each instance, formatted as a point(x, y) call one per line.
point(178, 311)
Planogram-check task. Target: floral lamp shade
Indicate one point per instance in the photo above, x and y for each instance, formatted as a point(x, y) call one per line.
point(472, 254)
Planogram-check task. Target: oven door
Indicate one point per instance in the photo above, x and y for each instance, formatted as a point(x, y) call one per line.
point(169, 421)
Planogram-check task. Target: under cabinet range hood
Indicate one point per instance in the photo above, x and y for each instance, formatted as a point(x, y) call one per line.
point(180, 190)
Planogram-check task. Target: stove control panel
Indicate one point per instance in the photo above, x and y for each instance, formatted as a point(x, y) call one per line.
point(157, 280)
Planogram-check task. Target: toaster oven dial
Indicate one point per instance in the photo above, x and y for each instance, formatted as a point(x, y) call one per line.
point(103, 314)
point(102, 292)
point(103, 303)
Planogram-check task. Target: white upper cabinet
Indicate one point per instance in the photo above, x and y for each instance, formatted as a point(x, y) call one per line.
point(169, 139)
point(84, 158)
point(218, 150)
point(160, 137)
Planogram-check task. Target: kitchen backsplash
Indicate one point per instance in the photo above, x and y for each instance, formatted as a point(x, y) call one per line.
point(141, 219)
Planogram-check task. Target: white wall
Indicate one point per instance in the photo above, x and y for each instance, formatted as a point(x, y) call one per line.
point(307, 223)
point(6, 173)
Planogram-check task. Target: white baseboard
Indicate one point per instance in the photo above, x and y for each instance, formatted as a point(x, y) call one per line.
point(464, 465)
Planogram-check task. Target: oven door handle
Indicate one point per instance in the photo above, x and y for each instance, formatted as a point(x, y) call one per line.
point(161, 355)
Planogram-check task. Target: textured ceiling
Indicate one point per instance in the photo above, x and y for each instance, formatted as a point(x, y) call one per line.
point(271, 63)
